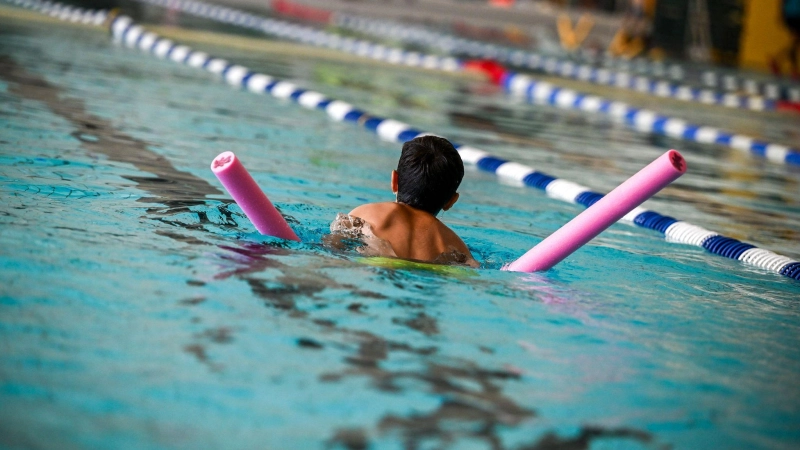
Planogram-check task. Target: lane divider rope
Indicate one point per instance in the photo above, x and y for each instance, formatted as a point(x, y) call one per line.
point(774, 88)
point(643, 119)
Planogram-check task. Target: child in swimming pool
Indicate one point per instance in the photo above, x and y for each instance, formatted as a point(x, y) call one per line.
point(426, 182)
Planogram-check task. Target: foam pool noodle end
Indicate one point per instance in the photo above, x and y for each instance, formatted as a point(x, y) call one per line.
point(606, 211)
point(246, 193)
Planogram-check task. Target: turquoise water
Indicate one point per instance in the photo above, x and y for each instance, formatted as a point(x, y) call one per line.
point(140, 309)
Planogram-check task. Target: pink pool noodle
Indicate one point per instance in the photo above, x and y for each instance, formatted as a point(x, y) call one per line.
point(250, 197)
point(606, 211)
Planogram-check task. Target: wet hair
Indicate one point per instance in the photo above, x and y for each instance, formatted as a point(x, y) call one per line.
point(428, 173)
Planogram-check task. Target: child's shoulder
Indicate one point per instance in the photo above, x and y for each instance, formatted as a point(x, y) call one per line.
point(373, 210)
point(375, 206)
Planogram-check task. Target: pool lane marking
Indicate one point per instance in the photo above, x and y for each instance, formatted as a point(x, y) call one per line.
point(125, 31)
point(546, 92)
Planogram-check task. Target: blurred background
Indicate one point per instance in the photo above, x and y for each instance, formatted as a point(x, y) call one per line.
point(753, 34)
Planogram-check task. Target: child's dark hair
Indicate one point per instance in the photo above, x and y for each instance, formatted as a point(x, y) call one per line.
point(428, 173)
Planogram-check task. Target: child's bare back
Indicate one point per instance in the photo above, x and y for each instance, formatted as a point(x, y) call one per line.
point(426, 182)
point(413, 233)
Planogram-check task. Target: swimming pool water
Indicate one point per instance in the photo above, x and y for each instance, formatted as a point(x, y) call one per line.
point(140, 309)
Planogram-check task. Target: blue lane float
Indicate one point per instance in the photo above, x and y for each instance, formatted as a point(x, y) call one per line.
point(542, 92)
point(126, 32)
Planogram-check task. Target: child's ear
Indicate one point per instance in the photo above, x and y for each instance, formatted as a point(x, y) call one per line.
point(394, 182)
point(450, 202)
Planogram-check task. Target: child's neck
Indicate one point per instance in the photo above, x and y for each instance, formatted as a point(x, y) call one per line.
point(398, 202)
